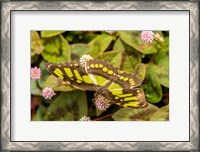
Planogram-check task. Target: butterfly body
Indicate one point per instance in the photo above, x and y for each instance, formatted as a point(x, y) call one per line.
point(96, 75)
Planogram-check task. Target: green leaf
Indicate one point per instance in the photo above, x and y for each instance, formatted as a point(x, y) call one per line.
point(161, 65)
point(166, 43)
point(88, 36)
point(73, 36)
point(63, 88)
point(161, 114)
point(98, 112)
point(162, 58)
point(36, 44)
point(57, 84)
point(44, 74)
point(161, 74)
point(65, 48)
point(140, 70)
point(35, 89)
point(38, 115)
point(130, 59)
point(151, 86)
point(56, 50)
point(133, 40)
point(47, 34)
point(135, 114)
point(99, 44)
point(68, 107)
point(118, 45)
point(114, 57)
point(52, 82)
point(80, 49)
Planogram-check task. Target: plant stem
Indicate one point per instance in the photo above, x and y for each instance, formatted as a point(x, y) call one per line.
point(100, 118)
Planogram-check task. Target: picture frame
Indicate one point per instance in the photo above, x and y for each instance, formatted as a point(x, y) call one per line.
point(8, 8)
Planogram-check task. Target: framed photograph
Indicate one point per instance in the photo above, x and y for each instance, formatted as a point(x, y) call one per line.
point(100, 76)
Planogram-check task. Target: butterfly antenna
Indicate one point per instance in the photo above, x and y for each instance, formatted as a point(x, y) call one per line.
point(90, 75)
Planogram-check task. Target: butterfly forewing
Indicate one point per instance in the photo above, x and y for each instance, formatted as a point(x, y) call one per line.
point(72, 73)
point(101, 77)
point(106, 70)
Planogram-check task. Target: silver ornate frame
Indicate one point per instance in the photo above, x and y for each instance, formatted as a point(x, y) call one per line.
point(7, 7)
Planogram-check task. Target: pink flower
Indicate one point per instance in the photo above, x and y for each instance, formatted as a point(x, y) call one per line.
point(35, 73)
point(48, 93)
point(147, 36)
point(102, 103)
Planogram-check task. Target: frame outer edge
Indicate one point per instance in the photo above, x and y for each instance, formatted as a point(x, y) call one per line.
point(194, 42)
point(194, 74)
point(5, 79)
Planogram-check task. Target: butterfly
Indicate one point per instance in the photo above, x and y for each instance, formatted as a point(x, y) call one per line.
point(107, 81)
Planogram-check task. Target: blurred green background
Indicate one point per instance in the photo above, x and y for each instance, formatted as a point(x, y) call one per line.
point(123, 49)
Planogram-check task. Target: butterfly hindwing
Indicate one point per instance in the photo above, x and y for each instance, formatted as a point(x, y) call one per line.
point(125, 97)
point(132, 98)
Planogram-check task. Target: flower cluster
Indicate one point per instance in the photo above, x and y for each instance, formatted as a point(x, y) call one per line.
point(158, 37)
point(85, 58)
point(35, 73)
point(48, 93)
point(84, 118)
point(110, 32)
point(101, 103)
point(147, 36)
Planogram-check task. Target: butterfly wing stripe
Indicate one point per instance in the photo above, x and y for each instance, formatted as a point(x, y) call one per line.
point(101, 81)
point(68, 72)
point(131, 104)
point(114, 86)
point(54, 70)
point(87, 79)
point(58, 73)
point(78, 76)
point(130, 98)
point(124, 95)
point(117, 92)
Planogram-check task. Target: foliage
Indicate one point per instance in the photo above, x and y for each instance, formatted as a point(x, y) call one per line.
point(123, 49)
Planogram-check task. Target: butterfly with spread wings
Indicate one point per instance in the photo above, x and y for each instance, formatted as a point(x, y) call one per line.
point(118, 87)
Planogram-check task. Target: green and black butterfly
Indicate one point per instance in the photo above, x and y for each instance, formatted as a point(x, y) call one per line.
point(96, 75)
